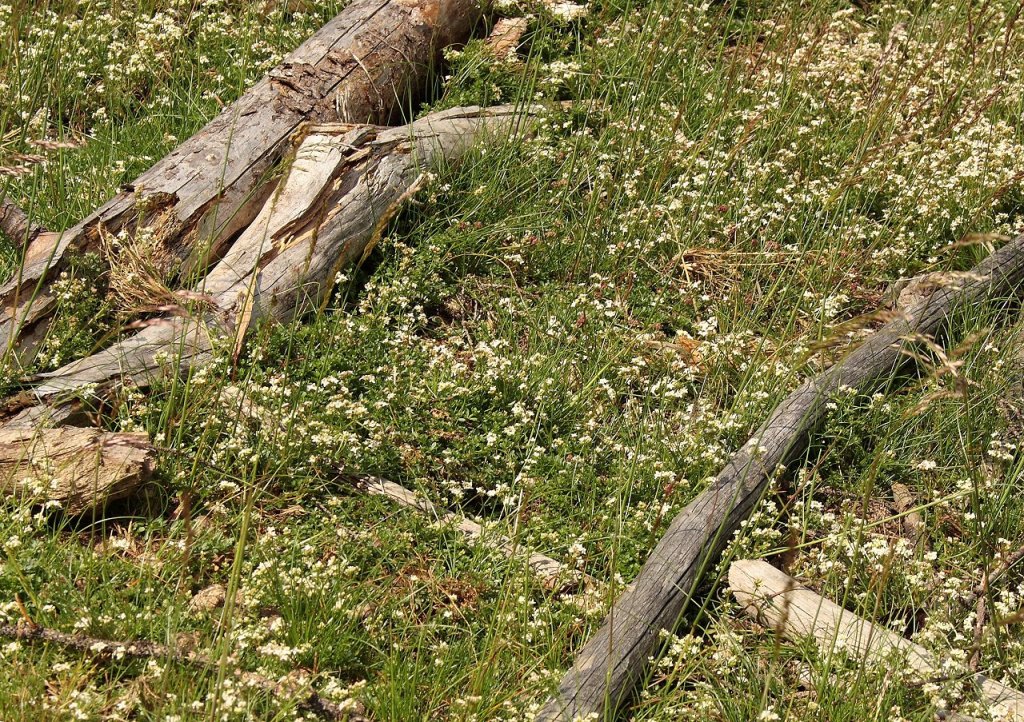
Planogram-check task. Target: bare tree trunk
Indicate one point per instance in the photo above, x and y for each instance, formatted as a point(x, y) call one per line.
point(357, 68)
point(609, 664)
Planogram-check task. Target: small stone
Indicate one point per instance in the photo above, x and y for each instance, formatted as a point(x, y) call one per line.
point(208, 599)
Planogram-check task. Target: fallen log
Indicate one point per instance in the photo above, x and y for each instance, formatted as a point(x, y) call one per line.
point(778, 601)
point(610, 663)
point(78, 468)
point(343, 185)
point(357, 68)
point(554, 575)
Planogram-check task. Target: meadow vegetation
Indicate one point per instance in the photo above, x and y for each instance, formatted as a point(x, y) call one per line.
point(562, 338)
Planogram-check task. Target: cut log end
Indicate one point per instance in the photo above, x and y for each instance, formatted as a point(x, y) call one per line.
point(75, 469)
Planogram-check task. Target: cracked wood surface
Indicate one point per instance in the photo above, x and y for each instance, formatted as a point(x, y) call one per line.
point(344, 182)
point(357, 68)
point(610, 663)
point(81, 468)
point(328, 212)
point(15, 223)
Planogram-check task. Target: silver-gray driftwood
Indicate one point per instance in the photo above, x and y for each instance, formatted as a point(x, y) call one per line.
point(610, 663)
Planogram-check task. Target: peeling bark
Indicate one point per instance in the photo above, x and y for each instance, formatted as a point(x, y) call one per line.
point(327, 214)
point(357, 68)
point(344, 183)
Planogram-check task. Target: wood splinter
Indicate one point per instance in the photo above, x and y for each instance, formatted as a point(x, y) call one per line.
point(554, 575)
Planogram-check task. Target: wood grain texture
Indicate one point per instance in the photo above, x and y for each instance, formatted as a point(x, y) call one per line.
point(15, 224)
point(778, 601)
point(357, 68)
point(343, 181)
point(81, 468)
point(609, 664)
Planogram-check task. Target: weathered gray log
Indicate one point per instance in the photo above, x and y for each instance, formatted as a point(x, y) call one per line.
point(79, 468)
point(343, 184)
point(609, 664)
point(357, 68)
point(15, 224)
point(778, 601)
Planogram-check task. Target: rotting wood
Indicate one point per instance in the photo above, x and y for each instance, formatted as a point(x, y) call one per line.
point(554, 575)
point(107, 649)
point(326, 216)
point(357, 68)
point(79, 468)
point(505, 36)
point(778, 601)
point(344, 180)
point(609, 664)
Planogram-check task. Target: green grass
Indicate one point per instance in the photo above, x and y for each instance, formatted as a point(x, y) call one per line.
point(746, 179)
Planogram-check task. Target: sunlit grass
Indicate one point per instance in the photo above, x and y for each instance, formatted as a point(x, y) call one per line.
point(563, 338)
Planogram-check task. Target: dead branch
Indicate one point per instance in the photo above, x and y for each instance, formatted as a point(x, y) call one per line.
point(554, 575)
point(357, 68)
point(115, 650)
point(327, 214)
point(778, 601)
point(981, 591)
point(612, 660)
point(325, 217)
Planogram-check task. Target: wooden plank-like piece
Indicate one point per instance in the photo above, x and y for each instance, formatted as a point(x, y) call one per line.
point(554, 575)
point(79, 468)
point(778, 601)
point(357, 68)
point(609, 664)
